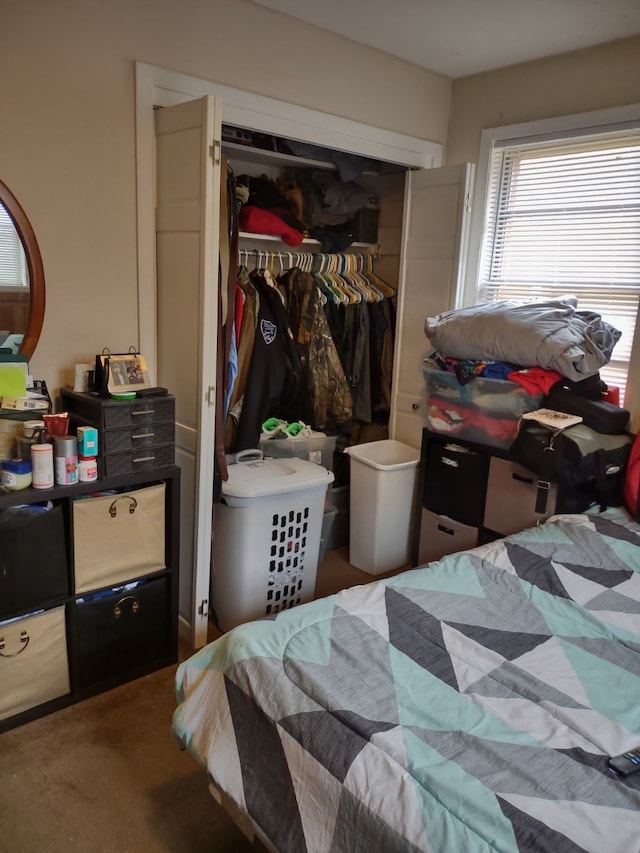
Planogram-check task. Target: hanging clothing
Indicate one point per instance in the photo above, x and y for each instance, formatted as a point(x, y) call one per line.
point(323, 373)
point(275, 384)
point(349, 326)
point(251, 307)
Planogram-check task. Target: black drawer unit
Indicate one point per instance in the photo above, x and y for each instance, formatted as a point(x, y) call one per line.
point(133, 435)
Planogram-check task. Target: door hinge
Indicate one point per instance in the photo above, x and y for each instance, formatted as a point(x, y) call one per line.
point(211, 395)
point(203, 610)
point(214, 151)
point(467, 202)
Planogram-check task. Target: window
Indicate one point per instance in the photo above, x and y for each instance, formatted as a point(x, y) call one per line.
point(13, 263)
point(562, 217)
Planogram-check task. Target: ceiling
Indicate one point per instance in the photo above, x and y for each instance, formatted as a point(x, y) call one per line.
point(461, 37)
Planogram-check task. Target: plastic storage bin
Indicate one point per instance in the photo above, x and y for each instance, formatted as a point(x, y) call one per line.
point(383, 486)
point(328, 520)
point(483, 410)
point(266, 538)
point(319, 449)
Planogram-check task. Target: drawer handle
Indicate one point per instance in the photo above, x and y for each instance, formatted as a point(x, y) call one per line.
point(142, 412)
point(135, 605)
point(24, 639)
point(143, 459)
point(444, 529)
point(522, 479)
point(143, 435)
point(133, 503)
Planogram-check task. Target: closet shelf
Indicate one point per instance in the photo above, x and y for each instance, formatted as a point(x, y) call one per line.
point(308, 241)
point(264, 157)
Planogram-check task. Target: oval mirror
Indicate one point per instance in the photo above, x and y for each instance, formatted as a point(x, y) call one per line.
point(22, 293)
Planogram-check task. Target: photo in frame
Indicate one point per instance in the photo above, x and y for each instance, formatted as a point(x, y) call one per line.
point(126, 372)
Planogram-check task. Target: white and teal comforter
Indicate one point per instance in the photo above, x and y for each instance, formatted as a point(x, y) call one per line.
point(469, 705)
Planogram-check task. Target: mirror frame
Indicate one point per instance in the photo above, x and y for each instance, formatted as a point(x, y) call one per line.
point(34, 265)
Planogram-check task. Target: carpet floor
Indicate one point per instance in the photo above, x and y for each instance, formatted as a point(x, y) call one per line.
point(106, 775)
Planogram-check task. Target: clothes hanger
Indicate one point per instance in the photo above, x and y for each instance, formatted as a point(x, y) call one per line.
point(384, 288)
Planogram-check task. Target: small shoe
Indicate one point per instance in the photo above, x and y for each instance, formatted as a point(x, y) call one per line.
point(298, 429)
point(274, 428)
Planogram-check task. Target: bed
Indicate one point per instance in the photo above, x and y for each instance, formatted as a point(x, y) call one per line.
point(467, 705)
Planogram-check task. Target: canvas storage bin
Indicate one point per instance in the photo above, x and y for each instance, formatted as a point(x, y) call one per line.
point(34, 567)
point(440, 535)
point(118, 537)
point(121, 629)
point(456, 483)
point(482, 410)
point(33, 661)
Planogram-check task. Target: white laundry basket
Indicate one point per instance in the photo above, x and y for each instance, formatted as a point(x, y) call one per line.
point(266, 538)
point(383, 485)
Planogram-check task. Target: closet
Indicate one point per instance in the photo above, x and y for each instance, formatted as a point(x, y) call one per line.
point(418, 251)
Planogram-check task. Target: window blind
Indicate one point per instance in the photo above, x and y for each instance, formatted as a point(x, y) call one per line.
point(563, 218)
point(13, 263)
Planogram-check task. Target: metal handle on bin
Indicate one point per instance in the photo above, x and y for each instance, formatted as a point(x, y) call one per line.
point(24, 639)
point(135, 605)
point(113, 510)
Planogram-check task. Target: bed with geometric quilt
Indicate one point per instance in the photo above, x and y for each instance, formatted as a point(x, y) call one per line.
point(467, 705)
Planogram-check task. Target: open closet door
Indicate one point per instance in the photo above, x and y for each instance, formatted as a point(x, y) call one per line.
point(187, 231)
point(434, 243)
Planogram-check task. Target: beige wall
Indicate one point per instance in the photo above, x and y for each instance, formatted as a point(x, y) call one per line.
point(67, 146)
point(585, 80)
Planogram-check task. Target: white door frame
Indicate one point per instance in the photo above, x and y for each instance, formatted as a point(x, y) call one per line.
point(159, 87)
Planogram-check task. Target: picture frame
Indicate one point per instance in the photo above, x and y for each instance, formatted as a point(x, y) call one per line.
point(125, 372)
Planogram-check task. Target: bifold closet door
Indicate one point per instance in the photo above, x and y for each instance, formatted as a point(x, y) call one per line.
point(434, 240)
point(187, 227)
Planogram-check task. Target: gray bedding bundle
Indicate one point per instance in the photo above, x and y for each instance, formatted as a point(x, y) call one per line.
point(553, 335)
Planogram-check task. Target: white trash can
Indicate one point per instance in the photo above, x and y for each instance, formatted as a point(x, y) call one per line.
point(384, 475)
point(266, 538)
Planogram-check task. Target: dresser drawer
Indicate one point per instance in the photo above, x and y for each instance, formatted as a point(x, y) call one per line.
point(34, 666)
point(137, 436)
point(143, 411)
point(142, 459)
point(118, 538)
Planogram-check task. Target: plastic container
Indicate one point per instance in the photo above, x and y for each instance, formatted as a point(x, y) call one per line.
point(65, 459)
point(318, 450)
point(328, 520)
point(42, 465)
point(483, 410)
point(87, 469)
point(15, 473)
point(382, 493)
point(266, 538)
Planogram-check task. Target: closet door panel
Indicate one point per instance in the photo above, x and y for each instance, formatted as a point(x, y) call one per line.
point(431, 269)
point(188, 179)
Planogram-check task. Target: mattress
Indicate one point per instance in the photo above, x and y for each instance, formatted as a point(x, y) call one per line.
point(468, 705)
